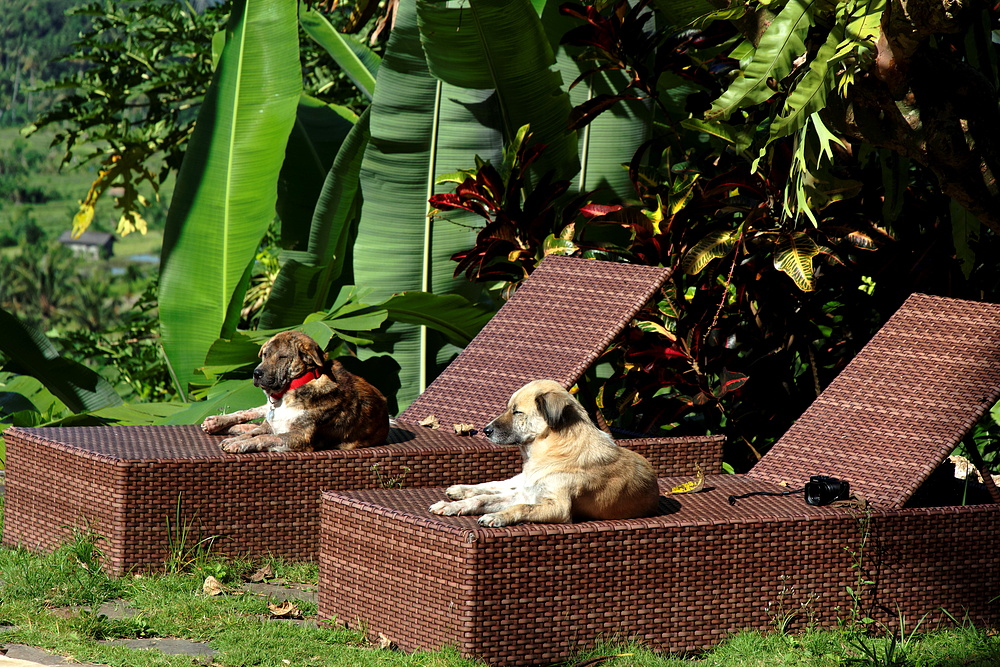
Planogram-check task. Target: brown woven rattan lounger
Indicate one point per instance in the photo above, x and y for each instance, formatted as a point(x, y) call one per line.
point(128, 482)
point(703, 568)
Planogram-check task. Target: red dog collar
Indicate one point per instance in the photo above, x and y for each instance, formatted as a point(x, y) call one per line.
point(305, 378)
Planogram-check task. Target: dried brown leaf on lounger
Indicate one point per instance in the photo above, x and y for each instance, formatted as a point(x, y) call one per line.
point(464, 429)
point(430, 421)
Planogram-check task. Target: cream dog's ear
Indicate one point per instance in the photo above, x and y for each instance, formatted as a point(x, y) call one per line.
point(558, 409)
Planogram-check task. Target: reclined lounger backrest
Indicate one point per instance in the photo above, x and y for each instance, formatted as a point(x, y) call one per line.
point(554, 326)
point(901, 406)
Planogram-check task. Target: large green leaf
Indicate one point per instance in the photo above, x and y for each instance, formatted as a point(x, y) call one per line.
point(227, 185)
point(316, 137)
point(501, 45)
point(420, 127)
point(809, 94)
point(358, 62)
point(682, 13)
point(226, 396)
point(781, 44)
point(611, 139)
point(74, 384)
point(304, 283)
point(451, 314)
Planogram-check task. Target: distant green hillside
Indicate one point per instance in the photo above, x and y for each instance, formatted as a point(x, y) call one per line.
point(33, 33)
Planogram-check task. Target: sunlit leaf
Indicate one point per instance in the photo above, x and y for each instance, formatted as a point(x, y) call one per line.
point(780, 45)
point(809, 94)
point(694, 486)
point(714, 245)
point(794, 256)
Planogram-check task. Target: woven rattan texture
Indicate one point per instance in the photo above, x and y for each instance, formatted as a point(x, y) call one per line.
point(682, 581)
point(126, 481)
point(902, 404)
point(555, 326)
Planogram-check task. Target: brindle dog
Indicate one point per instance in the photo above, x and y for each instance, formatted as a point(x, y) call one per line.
point(312, 403)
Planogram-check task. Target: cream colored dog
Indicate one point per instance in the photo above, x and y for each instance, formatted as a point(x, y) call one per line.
point(571, 469)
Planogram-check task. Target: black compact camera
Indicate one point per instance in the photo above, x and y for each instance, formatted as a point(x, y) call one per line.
point(823, 490)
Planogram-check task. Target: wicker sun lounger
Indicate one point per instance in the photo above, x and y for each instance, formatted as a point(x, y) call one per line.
point(139, 487)
point(705, 568)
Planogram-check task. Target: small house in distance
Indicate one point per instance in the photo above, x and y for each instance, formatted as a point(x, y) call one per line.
point(94, 245)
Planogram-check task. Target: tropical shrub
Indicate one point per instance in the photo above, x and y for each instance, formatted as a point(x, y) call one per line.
point(787, 239)
point(719, 142)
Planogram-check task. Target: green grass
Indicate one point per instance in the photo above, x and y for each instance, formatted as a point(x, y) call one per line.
point(40, 589)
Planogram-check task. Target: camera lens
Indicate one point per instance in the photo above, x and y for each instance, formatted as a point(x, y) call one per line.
point(823, 490)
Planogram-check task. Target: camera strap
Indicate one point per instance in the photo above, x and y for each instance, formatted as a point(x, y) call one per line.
point(733, 499)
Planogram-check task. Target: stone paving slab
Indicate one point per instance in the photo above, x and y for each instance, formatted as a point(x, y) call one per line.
point(18, 655)
point(165, 645)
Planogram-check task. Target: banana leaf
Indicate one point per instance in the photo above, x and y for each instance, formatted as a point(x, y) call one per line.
point(78, 387)
point(451, 314)
point(317, 135)
point(611, 139)
point(306, 278)
point(502, 45)
point(227, 186)
point(357, 61)
point(420, 127)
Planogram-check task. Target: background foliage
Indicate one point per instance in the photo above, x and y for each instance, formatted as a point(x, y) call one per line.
point(799, 182)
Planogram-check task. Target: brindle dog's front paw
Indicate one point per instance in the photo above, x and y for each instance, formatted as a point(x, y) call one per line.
point(213, 424)
point(236, 445)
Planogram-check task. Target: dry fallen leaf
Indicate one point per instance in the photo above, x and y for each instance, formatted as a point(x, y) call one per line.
point(286, 609)
point(384, 642)
point(430, 421)
point(464, 429)
point(263, 574)
point(213, 586)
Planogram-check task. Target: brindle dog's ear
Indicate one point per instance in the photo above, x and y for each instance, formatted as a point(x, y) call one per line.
point(559, 410)
point(312, 354)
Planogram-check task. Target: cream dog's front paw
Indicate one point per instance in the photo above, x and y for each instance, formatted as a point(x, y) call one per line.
point(493, 520)
point(460, 491)
point(442, 507)
point(460, 508)
point(237, 445)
